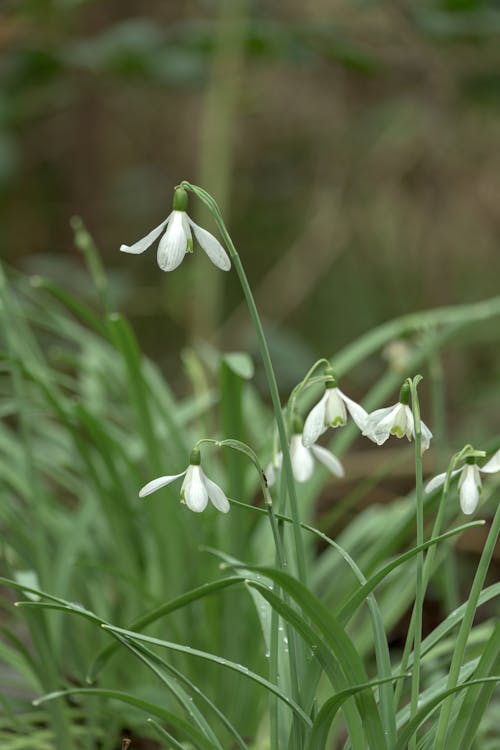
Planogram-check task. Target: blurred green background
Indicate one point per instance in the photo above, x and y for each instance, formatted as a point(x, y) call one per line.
point(354, 148)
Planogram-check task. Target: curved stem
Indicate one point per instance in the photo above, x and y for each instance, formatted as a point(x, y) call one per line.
point(270, 376)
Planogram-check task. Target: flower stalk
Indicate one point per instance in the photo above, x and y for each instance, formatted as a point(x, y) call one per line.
point(269, 371)
point(419, 583)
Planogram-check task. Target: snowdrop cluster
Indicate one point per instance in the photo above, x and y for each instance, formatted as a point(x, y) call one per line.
point(331, 411)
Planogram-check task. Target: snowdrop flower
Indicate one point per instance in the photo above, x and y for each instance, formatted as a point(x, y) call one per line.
point(469, 484)
point(395, 420)
point(302, 459)
point(197, 489)
point(177, 239)
point(331, 411)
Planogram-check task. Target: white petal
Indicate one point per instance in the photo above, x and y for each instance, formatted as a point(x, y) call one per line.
point(173, 244)
point(328, 459)
point(314, 426)
point(212, 247)
point(302, 461)
point(156, 484)
point(438, 481)
point(470, 489)
point(356, 411)
point(141, 245)
point(426, 436)
point(336, 415)
point(379, 423)
point(194, 492)
point(493, 465)
point(216, 495)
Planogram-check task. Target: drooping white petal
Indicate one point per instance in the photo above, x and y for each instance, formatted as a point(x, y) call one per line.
point(356, 411)
point(379, 423)
point(335, 415)
point(173, 244)
point(211, 246)
point(216, 495)
point(141, 245)
point(194, 492)
point(158, 483)
point(327, 458)
point(493, 465)
point(470, 488)
point(301, 458)
point(426, 436)
point(315, 425)
point(438, 480)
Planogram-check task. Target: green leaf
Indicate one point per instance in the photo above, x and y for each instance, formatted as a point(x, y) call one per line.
point(337, 641)
point(360, 594)
point(182, 726)
point(329, 709)
point(159, 612)
point(412, 726)
point(216, 660)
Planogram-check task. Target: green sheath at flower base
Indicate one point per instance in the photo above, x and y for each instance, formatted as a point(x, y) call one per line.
point(404, 394)
point(195, 457)
point(180, 199)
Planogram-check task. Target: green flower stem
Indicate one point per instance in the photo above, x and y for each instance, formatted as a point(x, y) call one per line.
point(427, 571)
point(419, 584)
point(429, 562)
point(270, 376)
point(464, 632)
point(449, 579)
point(297, 734)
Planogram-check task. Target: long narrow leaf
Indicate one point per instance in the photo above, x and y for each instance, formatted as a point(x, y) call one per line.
point(151, 708)
point(216, 660)
point(338, 642)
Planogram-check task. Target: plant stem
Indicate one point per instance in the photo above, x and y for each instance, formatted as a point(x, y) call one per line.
point(419, 584)
point(464, 632)
point(429, 561)
point(270, 376)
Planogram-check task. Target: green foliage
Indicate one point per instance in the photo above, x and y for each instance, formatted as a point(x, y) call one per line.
point(87, 419)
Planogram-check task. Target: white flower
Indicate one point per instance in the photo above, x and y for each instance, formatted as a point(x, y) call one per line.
point(302, 459)
point(469, 484)
point(394, 420)
point(197, 489)
point(330, 411)
point(177, 239)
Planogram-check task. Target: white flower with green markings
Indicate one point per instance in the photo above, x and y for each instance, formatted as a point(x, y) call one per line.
point(177, 239)
point(469, 484)
point(302, 459)
point(395, 420)
point(331, 411)
point(197, 489)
